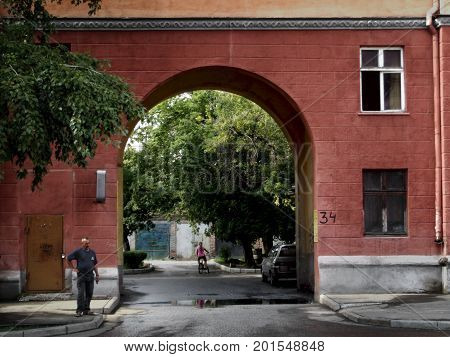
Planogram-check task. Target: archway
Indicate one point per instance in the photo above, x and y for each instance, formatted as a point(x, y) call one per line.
point(286, 113)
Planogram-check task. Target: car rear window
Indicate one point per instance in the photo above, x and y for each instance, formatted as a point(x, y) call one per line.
point(287, 252)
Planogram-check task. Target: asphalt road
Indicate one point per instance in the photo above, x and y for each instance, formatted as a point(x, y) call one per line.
point(172, 281)
point(176, 301)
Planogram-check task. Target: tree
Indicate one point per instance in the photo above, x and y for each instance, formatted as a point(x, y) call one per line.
point(54, 104)
point(214, 158)
point(34, 14)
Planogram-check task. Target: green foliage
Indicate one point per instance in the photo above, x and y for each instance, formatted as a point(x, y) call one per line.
point(142, 198)
point(133, 259)
point(54, 104)
point(225, 253)
point(214, 158)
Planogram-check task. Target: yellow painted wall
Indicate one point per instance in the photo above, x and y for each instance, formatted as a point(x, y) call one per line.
point(249, 8)
point(445, 7)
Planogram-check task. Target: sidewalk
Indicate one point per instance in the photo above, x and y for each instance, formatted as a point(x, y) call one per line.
point(422, 311)
point(234, 270)
point(50, 318)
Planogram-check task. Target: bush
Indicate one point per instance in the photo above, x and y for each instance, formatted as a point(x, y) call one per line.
point(225, 253)
point(133, 259)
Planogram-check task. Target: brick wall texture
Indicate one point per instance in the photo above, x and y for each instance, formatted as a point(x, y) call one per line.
point(319, 72)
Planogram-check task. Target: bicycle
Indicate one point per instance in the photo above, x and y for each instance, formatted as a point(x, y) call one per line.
point(202, 266)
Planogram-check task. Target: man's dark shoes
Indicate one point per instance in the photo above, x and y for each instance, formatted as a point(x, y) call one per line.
point(88, 313)
point(78, 314)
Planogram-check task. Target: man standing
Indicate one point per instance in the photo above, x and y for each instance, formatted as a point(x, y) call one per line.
point(86, 265)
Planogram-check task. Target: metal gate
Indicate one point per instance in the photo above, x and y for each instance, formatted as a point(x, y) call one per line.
point(155, 242)
point(44, 253)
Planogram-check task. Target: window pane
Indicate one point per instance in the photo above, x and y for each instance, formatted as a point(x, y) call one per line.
point(396, 207)
point(369, 58)
point(370, 88)
point(392, 58)
point(395, 180)
point(372, 180)
point(373, 217)
point(392, 91)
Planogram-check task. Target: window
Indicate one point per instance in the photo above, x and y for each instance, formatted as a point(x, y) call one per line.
point(382, 80)
point(384, 202)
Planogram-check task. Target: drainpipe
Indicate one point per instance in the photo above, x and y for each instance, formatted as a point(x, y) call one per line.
point(439, 238)
point(444, 260)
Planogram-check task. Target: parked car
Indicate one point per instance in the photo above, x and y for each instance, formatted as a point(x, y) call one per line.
point(279, 264)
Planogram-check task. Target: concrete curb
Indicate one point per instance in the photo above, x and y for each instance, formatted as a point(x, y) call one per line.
point(235, 270)
point(139, 271)
point(346, 311)
point(428, 325)
point(95, 323)
point(333, 305)
point(111, 305)
point(352, 316)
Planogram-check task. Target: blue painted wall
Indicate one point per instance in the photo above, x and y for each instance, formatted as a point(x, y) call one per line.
point(155, 242)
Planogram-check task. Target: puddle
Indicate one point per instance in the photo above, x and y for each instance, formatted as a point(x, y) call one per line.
point(213, 303)
point(202, 303)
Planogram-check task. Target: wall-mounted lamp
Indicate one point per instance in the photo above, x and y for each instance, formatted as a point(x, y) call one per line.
point(101, 186)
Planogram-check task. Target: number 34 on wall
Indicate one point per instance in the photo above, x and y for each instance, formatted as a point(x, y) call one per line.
point(327, 217)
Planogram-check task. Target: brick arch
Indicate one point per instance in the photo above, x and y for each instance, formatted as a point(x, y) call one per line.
point(285, 112)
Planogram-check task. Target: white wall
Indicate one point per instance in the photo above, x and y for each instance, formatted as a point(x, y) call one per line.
point(187, 240)
point(132, 241)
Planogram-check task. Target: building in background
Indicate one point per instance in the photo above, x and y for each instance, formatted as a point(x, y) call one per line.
point(361, 90)
point(169, 239)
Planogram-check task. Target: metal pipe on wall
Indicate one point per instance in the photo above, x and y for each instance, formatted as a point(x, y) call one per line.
point(440, 237)
point(443, 261)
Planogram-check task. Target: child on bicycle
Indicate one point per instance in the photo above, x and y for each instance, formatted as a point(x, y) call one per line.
point(200, 253)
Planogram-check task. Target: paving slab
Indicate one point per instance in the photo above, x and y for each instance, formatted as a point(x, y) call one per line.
point(51, 318)
point(39, 327)
point(62, 307)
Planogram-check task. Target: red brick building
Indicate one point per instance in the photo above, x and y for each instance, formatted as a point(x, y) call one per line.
point(361, 91)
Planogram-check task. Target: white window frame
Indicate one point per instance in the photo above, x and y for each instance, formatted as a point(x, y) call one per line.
point(383, 70)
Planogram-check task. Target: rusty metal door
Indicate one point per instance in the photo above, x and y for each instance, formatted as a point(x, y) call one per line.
point(44, 253)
